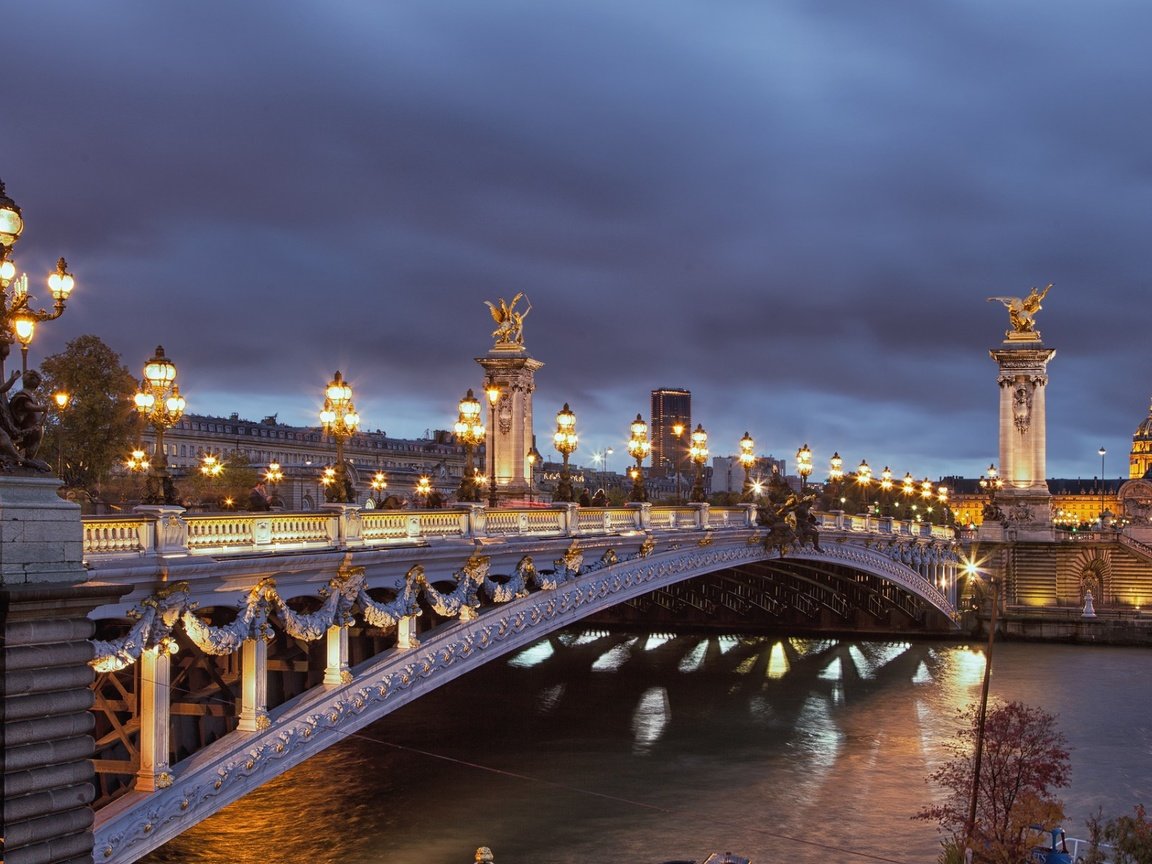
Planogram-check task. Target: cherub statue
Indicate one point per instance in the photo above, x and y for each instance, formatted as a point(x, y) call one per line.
point(510, 323)
point(1022, 311)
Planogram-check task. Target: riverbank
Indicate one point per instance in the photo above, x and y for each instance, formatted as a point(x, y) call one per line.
point(1067, 626)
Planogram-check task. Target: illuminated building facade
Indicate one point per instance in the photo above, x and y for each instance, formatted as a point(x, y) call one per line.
point(303, 452)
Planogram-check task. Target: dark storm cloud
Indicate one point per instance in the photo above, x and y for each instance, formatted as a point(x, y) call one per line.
point(796, 210)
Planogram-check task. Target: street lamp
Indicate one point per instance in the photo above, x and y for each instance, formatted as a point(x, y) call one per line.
point(534, 458)
point(991, 483)
point(493, 393)
point(18, 319)
point(469, 432)
point(638, 448)
point(424, 488)
point(835, 469)
point(379, 484)
point(161, 405)
point(747, 460)
point(210, 466)
point(1101, 451)
point(62, 399)
point(864, 480)
point(565, 440)
point(678, 432)
point(698, 453)
point(340, 421)
point(926, 488)
point(272, 476)
point(804, 466)
point(137, 461)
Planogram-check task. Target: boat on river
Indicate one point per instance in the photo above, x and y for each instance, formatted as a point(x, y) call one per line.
point(1062, 849)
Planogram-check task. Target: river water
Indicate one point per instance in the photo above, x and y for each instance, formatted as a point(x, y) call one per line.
point(615, 747)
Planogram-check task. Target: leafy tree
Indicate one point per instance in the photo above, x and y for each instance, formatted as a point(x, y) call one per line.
point(99, 426)
point(1025, 758)
point(234, 483)
point(1129, 836)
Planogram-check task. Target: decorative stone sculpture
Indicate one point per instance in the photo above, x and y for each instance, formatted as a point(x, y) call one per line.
point(509, 323)
point(1022, 311)
point(22, 425)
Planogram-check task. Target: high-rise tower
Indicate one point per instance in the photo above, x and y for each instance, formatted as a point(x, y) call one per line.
point(671, 409)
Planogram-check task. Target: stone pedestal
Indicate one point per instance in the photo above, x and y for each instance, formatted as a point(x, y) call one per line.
point(509, 435)
point(44, 603)
point(1023, 379)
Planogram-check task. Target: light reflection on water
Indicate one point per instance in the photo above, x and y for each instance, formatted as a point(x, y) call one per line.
point(685, 755)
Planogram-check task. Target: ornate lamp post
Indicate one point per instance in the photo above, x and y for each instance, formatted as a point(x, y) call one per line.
point(210, 466)
point(835, 473)
point(272, 476)
point(638, 448)
point(61, 399)
point(379, 485)
point(864, 480)
point(18, 319)
point(493, 393)
point(161, 405)
point(534, 458)
point(698, 453)
point(469, 432)
point(137, 461)
point(565, 441)
point(804, 466)
point(424, 488)
point(747, 460)
point(991, 483)
point(678, 433)
point(340, 421)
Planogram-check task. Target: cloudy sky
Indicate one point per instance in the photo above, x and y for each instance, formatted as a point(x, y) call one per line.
point(797, 209)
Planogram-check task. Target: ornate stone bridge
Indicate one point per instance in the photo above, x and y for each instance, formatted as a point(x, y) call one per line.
point(243, 644)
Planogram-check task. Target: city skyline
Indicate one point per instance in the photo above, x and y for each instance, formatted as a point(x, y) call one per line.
point(797, 216)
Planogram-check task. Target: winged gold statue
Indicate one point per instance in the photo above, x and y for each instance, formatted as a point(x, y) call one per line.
point(1022, 310)
point(509, 323)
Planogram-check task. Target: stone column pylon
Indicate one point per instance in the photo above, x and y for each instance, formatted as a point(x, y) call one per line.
point(509, 438)
point(1023, 380)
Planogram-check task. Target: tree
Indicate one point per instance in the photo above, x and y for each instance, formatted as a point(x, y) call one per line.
point(99, 426)
point(1025, 758)
point(1129, 836)
point(233, 484)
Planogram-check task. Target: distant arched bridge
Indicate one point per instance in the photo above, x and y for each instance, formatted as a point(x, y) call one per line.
point(246, 643)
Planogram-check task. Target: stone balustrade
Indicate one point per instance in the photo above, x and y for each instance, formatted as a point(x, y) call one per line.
point(170, 531)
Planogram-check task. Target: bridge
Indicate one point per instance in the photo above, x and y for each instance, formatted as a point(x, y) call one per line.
point(236, 646)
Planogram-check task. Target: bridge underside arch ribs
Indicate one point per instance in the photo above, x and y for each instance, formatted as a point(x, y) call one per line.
point(783, 593)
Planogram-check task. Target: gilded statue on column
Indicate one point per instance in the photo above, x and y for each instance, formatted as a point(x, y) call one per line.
point(1022, 311)
point(509, 322)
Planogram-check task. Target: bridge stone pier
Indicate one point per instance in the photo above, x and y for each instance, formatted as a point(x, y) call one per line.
point(45, 599)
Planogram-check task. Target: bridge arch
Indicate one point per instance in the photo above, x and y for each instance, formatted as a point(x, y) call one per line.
point(524, 605)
